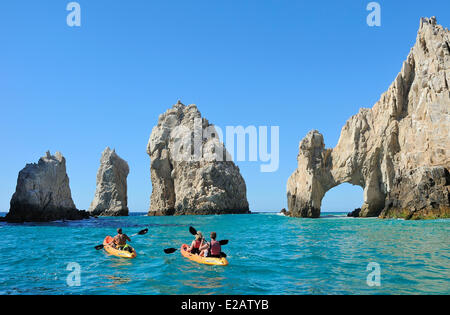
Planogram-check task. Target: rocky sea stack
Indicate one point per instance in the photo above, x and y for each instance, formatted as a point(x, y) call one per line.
point(191, 171)
point(398, 151)
point(111, 193)
point(43, 193)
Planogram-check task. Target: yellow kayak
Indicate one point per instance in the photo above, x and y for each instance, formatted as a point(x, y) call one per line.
point(203, 260)
point(116, 252)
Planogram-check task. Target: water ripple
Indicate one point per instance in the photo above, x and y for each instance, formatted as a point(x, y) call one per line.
point(268, 254)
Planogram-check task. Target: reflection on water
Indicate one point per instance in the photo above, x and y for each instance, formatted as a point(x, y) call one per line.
point(203, 282)
point(268, 254)
point(115, 280)
point(120, 262)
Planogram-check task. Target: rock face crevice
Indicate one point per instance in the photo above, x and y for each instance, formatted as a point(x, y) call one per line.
point(397, 151)
point(191, 171)
point(43, 193)
point(111, 193)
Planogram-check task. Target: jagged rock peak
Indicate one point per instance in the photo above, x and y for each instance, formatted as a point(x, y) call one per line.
point(111, 194)
point(191, 171)
point(428, 21)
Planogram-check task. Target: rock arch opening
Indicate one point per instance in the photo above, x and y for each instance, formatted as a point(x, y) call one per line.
point(343, 198)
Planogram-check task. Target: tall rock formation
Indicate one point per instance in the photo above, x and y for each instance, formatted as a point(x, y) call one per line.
point(191, 170)
point(43, 193)
point(398, 151)
point(111, 193)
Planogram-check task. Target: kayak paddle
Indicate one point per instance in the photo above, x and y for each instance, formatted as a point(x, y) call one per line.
point(194, 232)
point(142, 232)
point(170, 250)
point(173, 250)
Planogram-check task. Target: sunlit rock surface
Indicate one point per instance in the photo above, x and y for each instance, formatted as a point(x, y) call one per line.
point(111, 193)
point(398, 150)
point(43, 193)
point(191, 171)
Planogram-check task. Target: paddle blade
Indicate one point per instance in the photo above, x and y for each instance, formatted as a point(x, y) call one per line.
point(98, 247)
point(170, 250)
point(143, 232)
point(223, 242)
point(192, 230)
point(222, 254)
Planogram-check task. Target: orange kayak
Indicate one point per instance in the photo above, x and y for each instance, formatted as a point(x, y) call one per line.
point(117, 252)
point(203, 260)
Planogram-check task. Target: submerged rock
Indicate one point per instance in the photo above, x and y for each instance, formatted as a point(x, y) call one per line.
point(111, 193)
point(191, 171)
point(43, 193)
point(398, 151)
point(355, 213)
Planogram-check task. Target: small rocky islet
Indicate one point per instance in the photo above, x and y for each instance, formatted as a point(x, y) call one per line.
point(397, 151)
point(191, 171)
point(43, 193)
point(111, 193)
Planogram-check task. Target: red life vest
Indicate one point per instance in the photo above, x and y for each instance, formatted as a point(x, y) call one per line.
point(197, 243)
point(215, 248)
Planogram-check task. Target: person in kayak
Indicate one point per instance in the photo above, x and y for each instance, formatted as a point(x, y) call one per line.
point(197, 244)
point(120, 241)
point(212, 249)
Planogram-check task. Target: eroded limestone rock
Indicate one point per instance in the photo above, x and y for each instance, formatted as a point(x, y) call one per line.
point(398, 151)
point(43, 193)
point(191, 171)
point(111, 193)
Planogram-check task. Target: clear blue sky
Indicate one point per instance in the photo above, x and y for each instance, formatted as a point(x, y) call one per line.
point(300, 65)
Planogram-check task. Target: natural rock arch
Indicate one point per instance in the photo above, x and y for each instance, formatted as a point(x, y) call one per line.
point(344, 197)
point(398, 151)
point(319, 171)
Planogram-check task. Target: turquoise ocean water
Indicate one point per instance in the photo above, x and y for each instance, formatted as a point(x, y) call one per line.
point(268, 254)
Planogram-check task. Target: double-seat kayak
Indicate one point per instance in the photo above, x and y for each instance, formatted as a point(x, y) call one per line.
point(203, 260)
point(107, 245)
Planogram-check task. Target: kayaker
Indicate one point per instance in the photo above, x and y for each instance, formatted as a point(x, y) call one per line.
point(213, 249)
point(120, 240)
point(197, 244)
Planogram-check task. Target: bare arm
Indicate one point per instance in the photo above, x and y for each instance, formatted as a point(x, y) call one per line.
point(204, 245)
